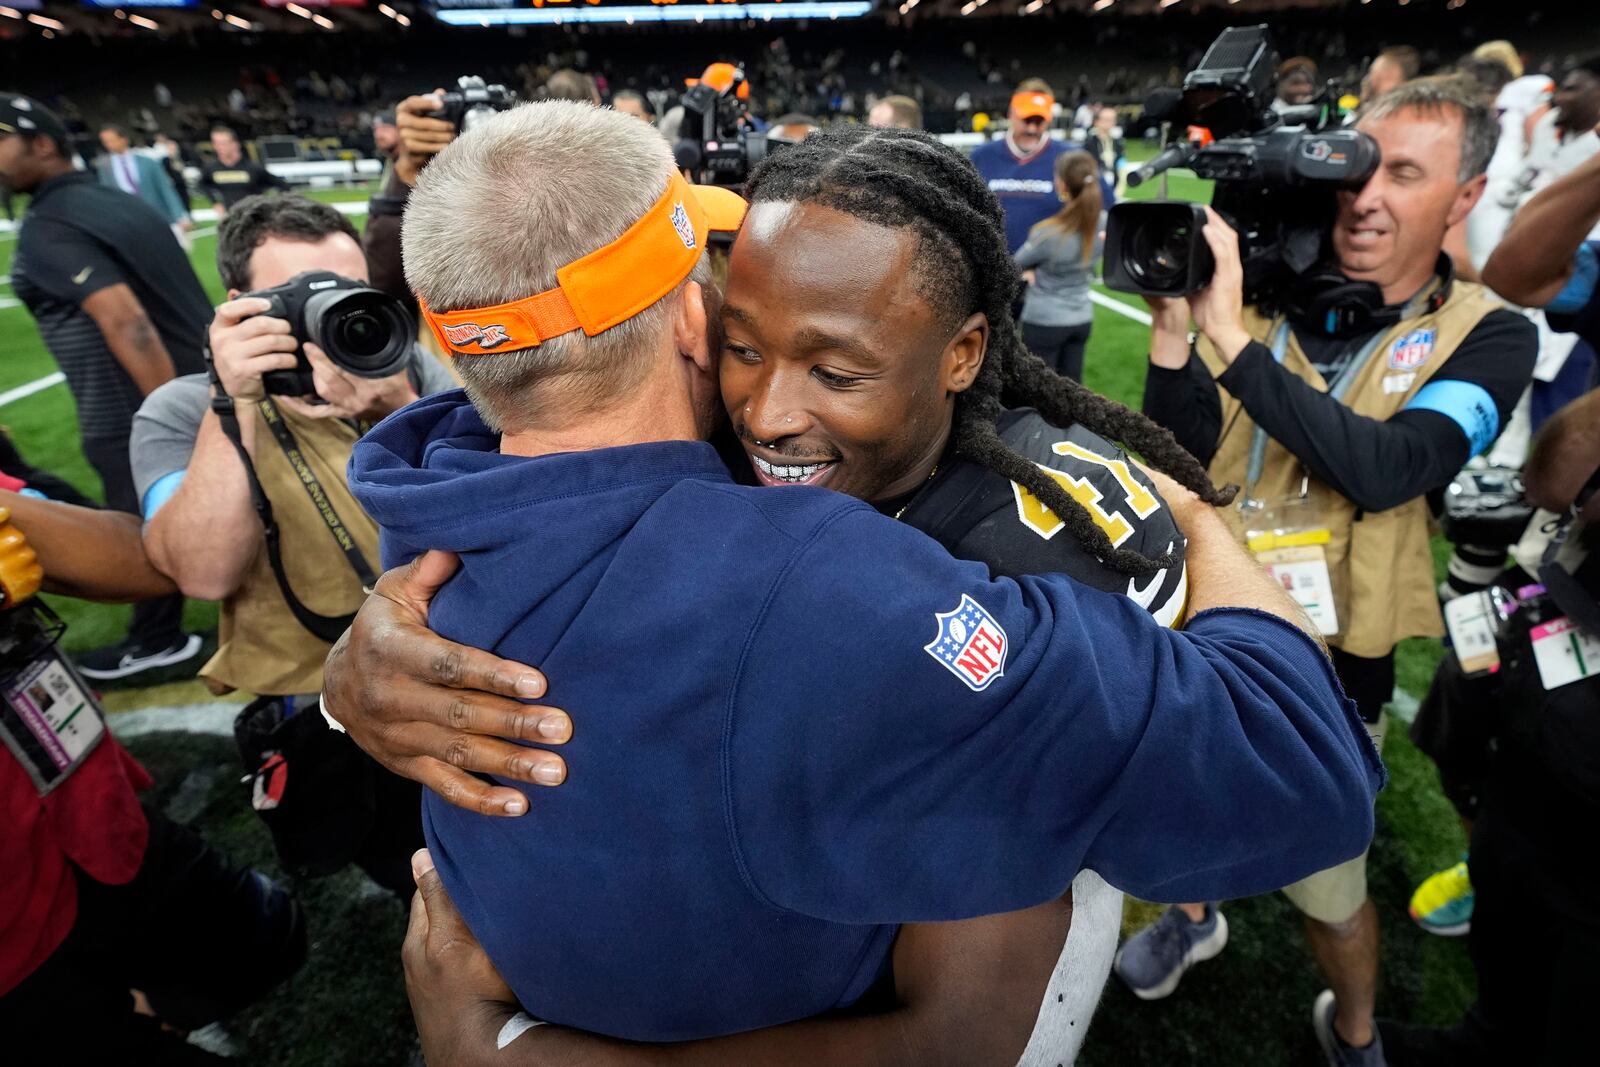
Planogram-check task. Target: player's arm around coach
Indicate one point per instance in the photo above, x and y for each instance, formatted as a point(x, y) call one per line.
point(463, 1009)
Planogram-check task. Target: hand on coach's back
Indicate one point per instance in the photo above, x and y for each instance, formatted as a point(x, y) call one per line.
point(459, 1000)
point(432, 710)
point(422, 136)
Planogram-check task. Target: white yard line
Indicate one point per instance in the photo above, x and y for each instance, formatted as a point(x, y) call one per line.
point(1125, 310)
point(11, 395)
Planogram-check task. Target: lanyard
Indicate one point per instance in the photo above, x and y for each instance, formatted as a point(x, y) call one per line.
point(1337, 388)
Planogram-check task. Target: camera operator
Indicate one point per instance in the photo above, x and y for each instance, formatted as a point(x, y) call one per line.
point(118, 927)
point(1534, 934)
point(208, 516)
point(1336, 438)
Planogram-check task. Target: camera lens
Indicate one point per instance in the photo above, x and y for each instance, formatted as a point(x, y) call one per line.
point(363, 331)
point(1159, 253)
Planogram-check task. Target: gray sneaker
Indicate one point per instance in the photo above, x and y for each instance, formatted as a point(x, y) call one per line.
point(1338, 1053)
point(1152, 960)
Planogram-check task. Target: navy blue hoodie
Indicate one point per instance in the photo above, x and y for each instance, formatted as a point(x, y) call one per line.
point(799, 723)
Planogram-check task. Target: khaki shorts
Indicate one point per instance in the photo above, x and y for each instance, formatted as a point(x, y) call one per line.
point(1336, 894)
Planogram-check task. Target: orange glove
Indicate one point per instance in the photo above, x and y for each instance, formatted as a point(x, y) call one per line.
point(20, 573)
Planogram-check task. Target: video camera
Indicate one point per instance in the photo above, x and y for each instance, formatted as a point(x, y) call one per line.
point(1276, 176)
point(363, 331)
point(471, 101)
point(715, 142)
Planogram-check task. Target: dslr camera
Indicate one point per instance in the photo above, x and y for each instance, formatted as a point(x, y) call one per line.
point(471, 101)
point(363, 331)
point(715, 142)
point(1276, 177)
point(1485, 506)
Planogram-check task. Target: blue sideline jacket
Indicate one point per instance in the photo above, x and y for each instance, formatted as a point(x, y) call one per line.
point(1026, 188)
point(799, 723)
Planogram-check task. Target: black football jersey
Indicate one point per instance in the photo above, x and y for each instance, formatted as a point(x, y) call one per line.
point(980, 515)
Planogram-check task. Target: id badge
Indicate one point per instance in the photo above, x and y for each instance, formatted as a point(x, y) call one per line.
point(1289, 539)
point(49, 720)
point(1472, 622)
point(1564, 653)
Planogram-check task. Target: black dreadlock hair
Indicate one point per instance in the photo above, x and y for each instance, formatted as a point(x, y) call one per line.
point(909, 179)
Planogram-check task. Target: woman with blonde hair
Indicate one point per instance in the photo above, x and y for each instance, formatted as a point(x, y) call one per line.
point(1057, 260)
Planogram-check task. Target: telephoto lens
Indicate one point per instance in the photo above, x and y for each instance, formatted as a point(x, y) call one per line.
point(363, 331)
point(1157, 249)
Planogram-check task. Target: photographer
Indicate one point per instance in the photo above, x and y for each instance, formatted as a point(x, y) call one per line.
point(425, 126)
point(1336, 438)
point(119, 928)
point(207, 512)
point(1534, 933)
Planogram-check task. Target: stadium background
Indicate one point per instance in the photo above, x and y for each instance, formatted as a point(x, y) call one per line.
point(347, 1007)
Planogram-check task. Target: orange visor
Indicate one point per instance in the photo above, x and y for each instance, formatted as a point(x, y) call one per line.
point(1034, 106)
point(609, 285)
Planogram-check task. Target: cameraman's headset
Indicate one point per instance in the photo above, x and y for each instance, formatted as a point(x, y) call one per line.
point(609, 285)
point(1328, 303)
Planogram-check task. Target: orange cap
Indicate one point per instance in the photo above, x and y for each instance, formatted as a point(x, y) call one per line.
point(721, 76)
point(609, 285)
point(1034, 106)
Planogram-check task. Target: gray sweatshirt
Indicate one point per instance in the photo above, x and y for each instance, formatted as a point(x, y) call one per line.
point(1059, 295)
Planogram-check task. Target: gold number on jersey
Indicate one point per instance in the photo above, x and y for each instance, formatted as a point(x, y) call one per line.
point(1042, 521)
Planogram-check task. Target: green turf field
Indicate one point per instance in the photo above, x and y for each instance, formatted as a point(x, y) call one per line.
point(347, 1007)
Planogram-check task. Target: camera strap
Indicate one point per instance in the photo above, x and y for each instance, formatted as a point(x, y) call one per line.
point(326, 627)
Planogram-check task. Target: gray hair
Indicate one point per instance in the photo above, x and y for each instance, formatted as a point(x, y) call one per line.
point(507, 204)
point(1480, 130)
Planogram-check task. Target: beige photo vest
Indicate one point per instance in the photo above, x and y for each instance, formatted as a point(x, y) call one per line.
point(264, 650)
point(1379, 562)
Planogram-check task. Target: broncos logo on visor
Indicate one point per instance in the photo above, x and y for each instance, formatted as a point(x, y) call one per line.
point(491, 336)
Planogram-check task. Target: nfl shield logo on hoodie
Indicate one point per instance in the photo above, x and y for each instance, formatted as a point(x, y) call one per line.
point(970, 644)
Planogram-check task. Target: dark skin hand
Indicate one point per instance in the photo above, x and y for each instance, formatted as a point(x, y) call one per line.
point(421, 136)
point(432, 710)
point(969, 994)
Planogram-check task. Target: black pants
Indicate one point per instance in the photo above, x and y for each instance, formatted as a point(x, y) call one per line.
point(333, 804)
point(1059, 346)
point(158, 622)
point(1367, 681)
point(1534, 958)
point(198, 936)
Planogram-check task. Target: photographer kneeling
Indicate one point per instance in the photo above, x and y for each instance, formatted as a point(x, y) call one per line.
point(1369, 386)
point(242, 484)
